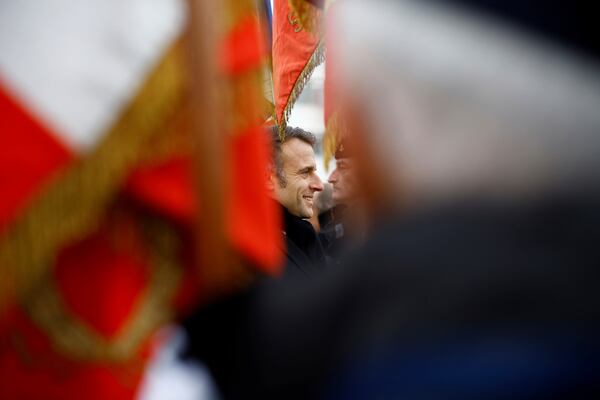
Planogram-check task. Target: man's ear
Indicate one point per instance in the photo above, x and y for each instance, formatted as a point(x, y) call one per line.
point(271, 183)
point(271, 180)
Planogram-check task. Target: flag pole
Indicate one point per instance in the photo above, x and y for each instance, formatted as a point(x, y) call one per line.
point(218, 266)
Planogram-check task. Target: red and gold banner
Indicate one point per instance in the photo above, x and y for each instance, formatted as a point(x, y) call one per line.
point(295, 54)
point(100, 215)
point(93, 266)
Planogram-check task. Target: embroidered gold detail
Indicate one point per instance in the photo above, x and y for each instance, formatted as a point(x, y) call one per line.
point(74, 338)
point(294, 21)
point(69, 207)
point(308, 16)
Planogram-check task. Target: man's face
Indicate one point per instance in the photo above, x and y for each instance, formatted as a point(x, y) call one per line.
point(343, 182)
point(300, 171)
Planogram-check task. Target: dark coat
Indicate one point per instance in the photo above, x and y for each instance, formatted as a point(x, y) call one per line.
point(333, 234)
point(303, 249)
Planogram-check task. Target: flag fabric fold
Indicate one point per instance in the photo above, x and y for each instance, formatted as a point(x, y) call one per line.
point(253, 220)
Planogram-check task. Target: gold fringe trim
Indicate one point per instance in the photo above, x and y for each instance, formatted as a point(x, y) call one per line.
point(331, 138)
point(69, 207)
point(308, 14)
point(74, 338)
point(317, 57)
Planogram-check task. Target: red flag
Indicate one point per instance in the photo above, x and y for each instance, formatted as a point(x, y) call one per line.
point(86, 258)
point(89, 262)
point(296, 52)
point(99, 204)
point(253, 219)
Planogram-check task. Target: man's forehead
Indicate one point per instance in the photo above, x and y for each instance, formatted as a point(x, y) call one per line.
point(298, 153)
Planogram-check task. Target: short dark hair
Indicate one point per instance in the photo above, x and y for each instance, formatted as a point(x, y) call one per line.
point(277, 141)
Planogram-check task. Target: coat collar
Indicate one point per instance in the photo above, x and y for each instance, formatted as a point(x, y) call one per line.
point(300, 231)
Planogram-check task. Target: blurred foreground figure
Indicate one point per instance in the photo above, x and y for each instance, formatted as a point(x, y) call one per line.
point(480, 155)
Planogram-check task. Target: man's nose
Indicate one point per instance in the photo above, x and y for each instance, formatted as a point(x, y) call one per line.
point(316, 185)
point(333, 177)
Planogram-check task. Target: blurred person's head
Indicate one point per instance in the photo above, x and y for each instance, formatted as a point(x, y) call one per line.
point(324, 199)
point(293, 179)
point(321, 202)
point(342, 178)
point(447, 103)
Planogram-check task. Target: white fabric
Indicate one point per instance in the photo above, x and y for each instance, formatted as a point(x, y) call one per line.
point(169, 377)
point(76, 63)
point(460, 104)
